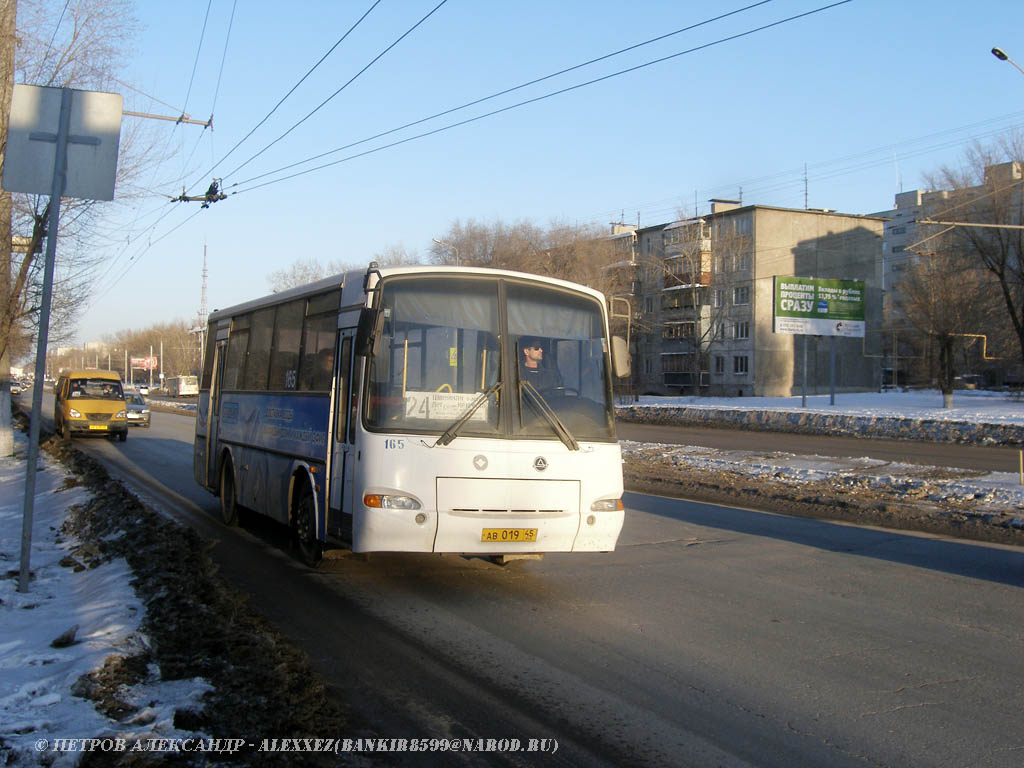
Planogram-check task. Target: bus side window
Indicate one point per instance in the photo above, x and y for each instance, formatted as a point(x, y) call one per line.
point(341, 397)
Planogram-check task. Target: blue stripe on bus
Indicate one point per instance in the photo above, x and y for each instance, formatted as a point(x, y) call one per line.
point(280, 422)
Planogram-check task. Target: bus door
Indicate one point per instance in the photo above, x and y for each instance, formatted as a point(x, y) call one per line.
point(343, 437)
point(213, 415)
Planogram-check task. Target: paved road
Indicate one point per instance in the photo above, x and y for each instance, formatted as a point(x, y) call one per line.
point(712, 636)
point(991, 458)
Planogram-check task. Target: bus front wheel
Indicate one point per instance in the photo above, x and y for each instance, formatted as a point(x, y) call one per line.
point(228, 496)
point(311, 551)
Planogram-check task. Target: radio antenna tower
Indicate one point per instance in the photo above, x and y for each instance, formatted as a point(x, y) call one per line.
point(202, 295)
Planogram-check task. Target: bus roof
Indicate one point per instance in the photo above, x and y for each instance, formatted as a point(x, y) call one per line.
point(347, 278)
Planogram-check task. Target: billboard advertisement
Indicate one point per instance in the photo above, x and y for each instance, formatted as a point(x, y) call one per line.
point(816, 306)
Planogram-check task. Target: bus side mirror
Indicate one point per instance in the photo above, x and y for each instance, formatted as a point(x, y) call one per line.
point(621, 362)
point(368, 331)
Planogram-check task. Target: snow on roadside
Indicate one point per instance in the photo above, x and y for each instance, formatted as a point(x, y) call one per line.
point(984, 492)
point(36, 679)
point(972, 405)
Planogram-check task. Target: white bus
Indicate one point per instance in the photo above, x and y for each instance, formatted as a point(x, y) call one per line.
point(396, 410)
point(182, 386)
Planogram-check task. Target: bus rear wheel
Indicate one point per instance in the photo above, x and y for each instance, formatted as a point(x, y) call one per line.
point(228, 496)
point(311, 551)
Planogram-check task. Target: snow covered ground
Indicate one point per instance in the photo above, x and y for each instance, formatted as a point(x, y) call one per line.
point(989, 492)
point(37, 707)
point(973, 405)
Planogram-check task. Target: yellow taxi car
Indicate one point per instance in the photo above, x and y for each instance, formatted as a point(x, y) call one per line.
point(90, 402)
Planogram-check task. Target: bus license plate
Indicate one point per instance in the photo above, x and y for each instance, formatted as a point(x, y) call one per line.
point(99, 427)
point(509, 534)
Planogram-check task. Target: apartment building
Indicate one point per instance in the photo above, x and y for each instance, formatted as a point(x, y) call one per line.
point(702, 296)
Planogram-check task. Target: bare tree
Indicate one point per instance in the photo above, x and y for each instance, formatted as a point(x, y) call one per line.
point(305, 271)
point(297, 273)
point(947, 297)
point(987, 190)
point(576, 253)
point(67, 44)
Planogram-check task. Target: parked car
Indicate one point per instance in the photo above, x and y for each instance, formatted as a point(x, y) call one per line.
point(138, 409)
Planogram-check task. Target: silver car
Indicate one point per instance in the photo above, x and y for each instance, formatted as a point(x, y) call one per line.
point(138, 409)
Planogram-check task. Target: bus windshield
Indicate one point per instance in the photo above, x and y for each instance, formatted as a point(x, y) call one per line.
point(442, 361)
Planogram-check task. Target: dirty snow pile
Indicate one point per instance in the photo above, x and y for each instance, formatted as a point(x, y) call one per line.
point(37, 706)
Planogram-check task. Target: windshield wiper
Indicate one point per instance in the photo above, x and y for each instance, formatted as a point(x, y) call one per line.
point(450, 434)
point(548, 413)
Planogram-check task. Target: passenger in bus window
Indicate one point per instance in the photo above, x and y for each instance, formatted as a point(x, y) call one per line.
point(533, 369)
point(325, 368)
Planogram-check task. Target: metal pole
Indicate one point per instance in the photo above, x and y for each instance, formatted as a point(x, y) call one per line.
point(832, 370)
point(803, 385)
point(895, 362)
point(59, 177)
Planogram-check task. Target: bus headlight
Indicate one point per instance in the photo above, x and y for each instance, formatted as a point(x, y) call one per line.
point(120, 415)
point(607, 505)
point(387, 501)
point(74, 414)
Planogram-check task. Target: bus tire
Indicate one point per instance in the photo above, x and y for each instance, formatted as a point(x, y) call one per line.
point(65, 431)
point(311, 551)
point(228, 494)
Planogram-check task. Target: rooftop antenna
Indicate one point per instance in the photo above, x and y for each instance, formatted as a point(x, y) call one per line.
point(805, 187)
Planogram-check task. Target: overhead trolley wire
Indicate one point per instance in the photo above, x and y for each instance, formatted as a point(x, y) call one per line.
point(519, 87)
point(199, 48)
point(526, 102)
point(324, 103)
point(290, 92)
point(113, 262)
point(223, 58)
point(53, 37)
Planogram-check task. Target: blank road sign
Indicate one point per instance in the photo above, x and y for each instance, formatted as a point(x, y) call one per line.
point(93, 139)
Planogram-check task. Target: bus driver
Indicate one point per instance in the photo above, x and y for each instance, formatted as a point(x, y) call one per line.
point(533, 369)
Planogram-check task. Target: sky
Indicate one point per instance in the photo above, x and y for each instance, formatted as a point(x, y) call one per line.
point(36, 704)
point(868, 96)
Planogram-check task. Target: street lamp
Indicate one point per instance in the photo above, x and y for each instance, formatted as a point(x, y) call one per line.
point(1000, 54)
point(448, 245)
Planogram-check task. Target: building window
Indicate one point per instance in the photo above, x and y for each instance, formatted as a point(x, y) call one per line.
point(741, 294)
point(897, 249)
point(898, 230)
point(719, 364)
point(741, 330)
point(741, 262)
point(719, 330)
point(740, 364)
point(719, 298)
point(675, 363)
